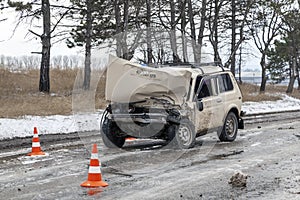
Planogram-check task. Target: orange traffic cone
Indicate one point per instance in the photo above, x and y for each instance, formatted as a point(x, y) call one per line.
point(130, 139)
point(94, 175)
point(36, 146)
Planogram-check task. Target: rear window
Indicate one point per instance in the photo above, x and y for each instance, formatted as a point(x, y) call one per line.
point(225, 83)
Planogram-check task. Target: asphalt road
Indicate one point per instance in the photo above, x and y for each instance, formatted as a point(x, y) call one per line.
point(268, 152)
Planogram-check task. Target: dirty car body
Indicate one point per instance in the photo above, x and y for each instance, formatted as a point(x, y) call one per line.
point(176, 104)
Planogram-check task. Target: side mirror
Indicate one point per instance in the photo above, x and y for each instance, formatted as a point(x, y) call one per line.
point(200, 105)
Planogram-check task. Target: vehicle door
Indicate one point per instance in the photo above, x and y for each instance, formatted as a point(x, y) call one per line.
point(212, 114)
point(227, 92)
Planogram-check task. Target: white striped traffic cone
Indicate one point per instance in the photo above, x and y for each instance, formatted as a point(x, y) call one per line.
point(36, 146)
point(94, 175)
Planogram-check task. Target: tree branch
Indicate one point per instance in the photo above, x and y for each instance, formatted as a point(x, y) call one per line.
point(34, 33)
point(58, 21)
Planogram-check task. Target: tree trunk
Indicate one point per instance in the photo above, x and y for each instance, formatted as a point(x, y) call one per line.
point(183, 35)
point(240, 65)
point(202, 27)
point(173, 42)
point(291, 85)
point(149, 46)
point(125, 50)
point(118, 28)
point(44, 85)
point(263, 74)
point(263, 81)
point(292, 77)
point(88, 45)
point(297, 76)
point(193, 31)
point(214, 37)
point(297, 66)
point(233, 36)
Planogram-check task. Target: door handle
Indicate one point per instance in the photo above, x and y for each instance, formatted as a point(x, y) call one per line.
point(219, 100)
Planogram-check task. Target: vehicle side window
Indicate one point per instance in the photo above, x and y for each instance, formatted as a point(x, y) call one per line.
point(225, 83)
point(205, 90)
point(197, 85)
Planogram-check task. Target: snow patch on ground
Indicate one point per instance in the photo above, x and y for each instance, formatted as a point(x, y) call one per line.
point(287, 103)
point(25, 160)
point(23, 127)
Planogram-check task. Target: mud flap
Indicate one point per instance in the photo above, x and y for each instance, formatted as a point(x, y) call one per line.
point(241, 124)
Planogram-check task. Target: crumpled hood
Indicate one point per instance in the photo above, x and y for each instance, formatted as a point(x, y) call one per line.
point(130, 82)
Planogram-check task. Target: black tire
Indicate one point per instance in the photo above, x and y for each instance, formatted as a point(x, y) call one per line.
point(229, 130)
point(182, 136)
point(109, 135)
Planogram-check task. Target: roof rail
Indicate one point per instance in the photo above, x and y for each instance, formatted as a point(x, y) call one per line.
point(195, 65)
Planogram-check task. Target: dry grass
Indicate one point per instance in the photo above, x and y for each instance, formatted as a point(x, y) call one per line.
point(251, 92)
point(19, 94)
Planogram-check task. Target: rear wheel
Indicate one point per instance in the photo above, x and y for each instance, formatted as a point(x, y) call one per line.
point(182, 136)
point(110, 134)
point(229, 131)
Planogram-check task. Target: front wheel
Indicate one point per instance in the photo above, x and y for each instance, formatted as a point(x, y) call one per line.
point(110, 134)
point(183, 135)
point(229, 131)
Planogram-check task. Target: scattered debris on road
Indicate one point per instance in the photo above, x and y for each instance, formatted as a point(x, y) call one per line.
point(288, 128)
point(231, 153)
point(238, 180)
point(298, 136)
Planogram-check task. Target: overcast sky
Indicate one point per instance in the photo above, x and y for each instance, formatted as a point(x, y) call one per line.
point(23, 42)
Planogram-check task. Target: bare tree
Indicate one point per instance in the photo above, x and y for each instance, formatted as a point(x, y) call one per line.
point(183, 25)
point(28, 62)
point(18, 64)
point(2, 60)
point(118, 30)
point(148, 25)
point(238, 29)
point(44, 85)
point(214, 18)
point(36, 9)
point(9, 62)
point(193, 31)
point(65, 62)
point(265, 26)
point(202, 26)
point(25, 60)
point(169, 21)
point(74, 61)
point(291, 28)
point(233, 35)
point(56, 60)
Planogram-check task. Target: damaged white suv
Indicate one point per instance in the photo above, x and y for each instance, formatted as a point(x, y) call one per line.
point(173, 103)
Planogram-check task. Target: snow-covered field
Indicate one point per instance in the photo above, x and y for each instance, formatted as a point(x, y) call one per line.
point(23, 126)
point(287, 103)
